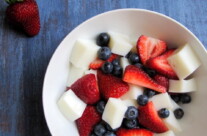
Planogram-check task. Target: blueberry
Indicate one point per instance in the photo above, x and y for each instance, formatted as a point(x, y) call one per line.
point(150, 72)
point(99, 129)
point(128, 54)
point(117, 71)
point(142, 100)
point(149, 92)
point(139, 65)
point(116, 62)
point(104, 53)
point(100, 106)
point(132, 123)
point(92, 134)
point(176, 98)
point(131, 112)
point(179, 113)
point(107, 67)
point(185, 98)
point(108, 133)
point(133, 58)
point(103, 39)
point(163, 113)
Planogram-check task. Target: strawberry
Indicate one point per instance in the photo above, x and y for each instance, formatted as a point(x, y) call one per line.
point(111, 86)
point(24, 15)
point(137, 76)
point(89, 119)
point(96, 64)
point(133, 132)
point(86, 89)
point(148, 47)
point(162, 80)
point(161, 65)
point(149, 118)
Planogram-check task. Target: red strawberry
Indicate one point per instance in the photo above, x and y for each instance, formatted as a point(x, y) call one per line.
point(149, 118)
point(111, 86)
point(161, 65)
point(133, 132)
point(135, 75)
point(96, 64)
point(162, 80)
point(89, 119)
point(149, 47)
point(24, 15)
point(86, 89)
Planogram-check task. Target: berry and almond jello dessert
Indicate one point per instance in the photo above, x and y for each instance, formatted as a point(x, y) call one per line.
point(120, 88)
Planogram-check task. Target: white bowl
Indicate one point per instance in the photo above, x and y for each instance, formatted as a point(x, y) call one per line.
point(132, 22)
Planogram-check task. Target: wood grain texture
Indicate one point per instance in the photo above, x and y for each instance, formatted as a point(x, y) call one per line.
point(23, 60)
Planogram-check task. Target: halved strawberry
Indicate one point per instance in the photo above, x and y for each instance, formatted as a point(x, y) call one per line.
point(149, 118)
point(148, 47)
point(111, 86)
point(133, 132)
point(161, 65)
point(96, 64)
point(88, 120)
point(137, 76)
point(86, 88)
point(162, 80)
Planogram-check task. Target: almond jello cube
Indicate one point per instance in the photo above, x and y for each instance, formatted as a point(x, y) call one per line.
point(168, 133)
point(184, 61)
point(71, 106)
point(83, 53)
point(114, 112)
point(133, 93)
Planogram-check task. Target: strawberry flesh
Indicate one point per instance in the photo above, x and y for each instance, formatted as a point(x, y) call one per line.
point(86, 88)
point(111, 86)
point(133, 132)
point(149, 118)
point(162, 80)
point(161, 65)
point(148, 47)
point(89, 119)
point(137, 76)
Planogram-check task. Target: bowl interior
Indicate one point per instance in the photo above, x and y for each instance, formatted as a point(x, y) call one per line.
point(132, 22)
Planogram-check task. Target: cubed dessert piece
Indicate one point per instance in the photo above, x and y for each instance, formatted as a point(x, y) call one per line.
point(114, 112)
point(71, 106)
point(184, 61)
point(133, 93)
point(124, 62)
point(130, 102)
point(168, 133)
point(83, 53)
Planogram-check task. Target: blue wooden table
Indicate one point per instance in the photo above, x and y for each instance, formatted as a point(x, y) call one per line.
point(23, 60)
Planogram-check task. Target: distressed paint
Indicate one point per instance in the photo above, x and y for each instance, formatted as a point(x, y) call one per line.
point(23, 60)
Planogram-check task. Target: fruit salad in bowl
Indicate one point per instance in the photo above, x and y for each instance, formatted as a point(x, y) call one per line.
point(131, 78)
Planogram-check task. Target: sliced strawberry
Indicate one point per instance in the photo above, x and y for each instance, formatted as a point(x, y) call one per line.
point(137, 76)
point(89, 119)
point(111, 86)
point(96, 64)
point(162, 80)
point(161, 65)
point(133, 132)
point(149, 118)
point(86, 88)
point(149, 47)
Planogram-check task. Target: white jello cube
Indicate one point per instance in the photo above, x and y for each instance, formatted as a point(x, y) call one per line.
point(119, 43)
point(162, 100)
point(91, 71)
point(175, 105)
point(133, 93)
point(172, 123)
point(114, 112)
point(130, 102)
point(71, 106)
point(124, 62)
point(168, 133)
point(182, 86)
point(184, 61)
point(134, 44)
point(83, 53)
point(74, 74)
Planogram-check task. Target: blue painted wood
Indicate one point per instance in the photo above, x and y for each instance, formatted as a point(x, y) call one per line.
point(23, 60)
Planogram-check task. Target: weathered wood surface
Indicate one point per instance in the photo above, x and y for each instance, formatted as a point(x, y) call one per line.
point(23, 60)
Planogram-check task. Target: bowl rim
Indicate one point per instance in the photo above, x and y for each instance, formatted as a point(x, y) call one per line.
point(97, 16)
